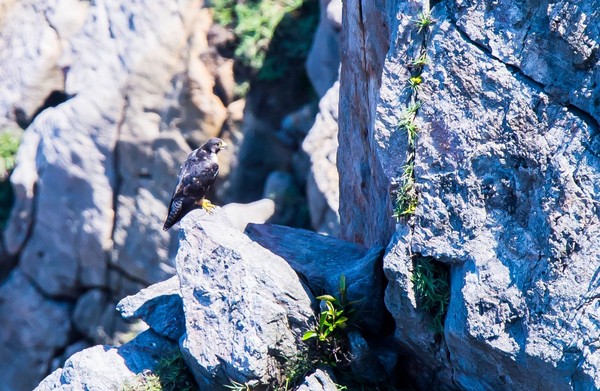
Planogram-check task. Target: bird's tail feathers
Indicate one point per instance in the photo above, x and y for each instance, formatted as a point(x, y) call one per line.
point(174, 213)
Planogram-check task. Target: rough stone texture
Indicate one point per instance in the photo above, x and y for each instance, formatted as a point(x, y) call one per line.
point(507, 175)
point(160, 306)
point(323, 61)
point(100, 155)
point(364, 205)
point(245, 308)
point(33, 328)
point(364, 364)
point(102, 368)
point(321, 260)
point(320, 380)
point(322, 188)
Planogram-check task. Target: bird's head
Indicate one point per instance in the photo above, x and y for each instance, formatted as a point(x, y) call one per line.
point(214, 145)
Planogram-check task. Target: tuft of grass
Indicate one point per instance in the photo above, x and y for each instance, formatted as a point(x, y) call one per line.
point(170, 374)
point(407, 199)
point(407, 122)
point(423, 21)
point(431, 281)
point(420, 61)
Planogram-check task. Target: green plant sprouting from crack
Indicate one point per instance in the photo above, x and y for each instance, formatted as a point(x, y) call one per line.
point(406, 197)
point(423, 21)
point(170, 374)
point(9, 144)
point(431, 283)
point(333, 317)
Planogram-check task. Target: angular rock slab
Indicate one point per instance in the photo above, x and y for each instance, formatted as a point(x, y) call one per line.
point(245, 308)
point(322, 260)
point(320, 380)
point(160, 306)
point(102, 367)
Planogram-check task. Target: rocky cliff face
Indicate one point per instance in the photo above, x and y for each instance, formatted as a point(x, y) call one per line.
point(489, 111)
point(506, 172)
point(107, 92)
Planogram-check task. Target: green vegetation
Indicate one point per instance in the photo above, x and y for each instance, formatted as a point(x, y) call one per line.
point(235, 386)
point(420, 62)
point(406, 198)
point(423, 21)
point(431, 281)
point(332, 319)
point(407, 122)
point(9, 144)
point(254, 24)
point(170, 374)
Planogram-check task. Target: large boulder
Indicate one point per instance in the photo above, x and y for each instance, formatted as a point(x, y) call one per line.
point(506, 171)
point(245, 308)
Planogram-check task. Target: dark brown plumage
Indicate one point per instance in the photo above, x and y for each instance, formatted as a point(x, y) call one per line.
point(196, 176)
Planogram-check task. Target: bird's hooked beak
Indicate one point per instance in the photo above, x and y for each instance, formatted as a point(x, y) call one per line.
point(223, 145)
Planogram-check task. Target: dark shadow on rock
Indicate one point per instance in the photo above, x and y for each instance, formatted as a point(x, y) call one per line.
point(322, 260)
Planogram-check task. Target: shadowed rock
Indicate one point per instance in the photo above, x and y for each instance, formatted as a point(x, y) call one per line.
point(159, 305)
point(322, 260)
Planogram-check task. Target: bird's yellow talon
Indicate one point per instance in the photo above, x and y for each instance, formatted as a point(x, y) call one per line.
point(207, 205)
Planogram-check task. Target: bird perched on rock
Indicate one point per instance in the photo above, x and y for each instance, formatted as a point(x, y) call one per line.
point(196, 175)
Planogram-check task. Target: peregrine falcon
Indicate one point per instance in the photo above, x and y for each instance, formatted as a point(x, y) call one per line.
point(196, 176)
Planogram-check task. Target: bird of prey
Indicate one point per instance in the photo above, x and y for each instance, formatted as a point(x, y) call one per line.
point(196, 176)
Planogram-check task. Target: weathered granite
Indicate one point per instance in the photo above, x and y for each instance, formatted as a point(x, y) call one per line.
point(245, 308)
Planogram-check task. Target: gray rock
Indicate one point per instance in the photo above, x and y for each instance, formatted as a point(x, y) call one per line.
point(160, 306)
point(290, 204)
point(70, 350)
point(507, 174)
point(323, 60)
point(321, 144)
point(245, 308)
point(320, 380)
point(365, 207)
point(322, 260)
point(363, 360)
point(33, 329)
point(257, 212)
point(101, 368)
